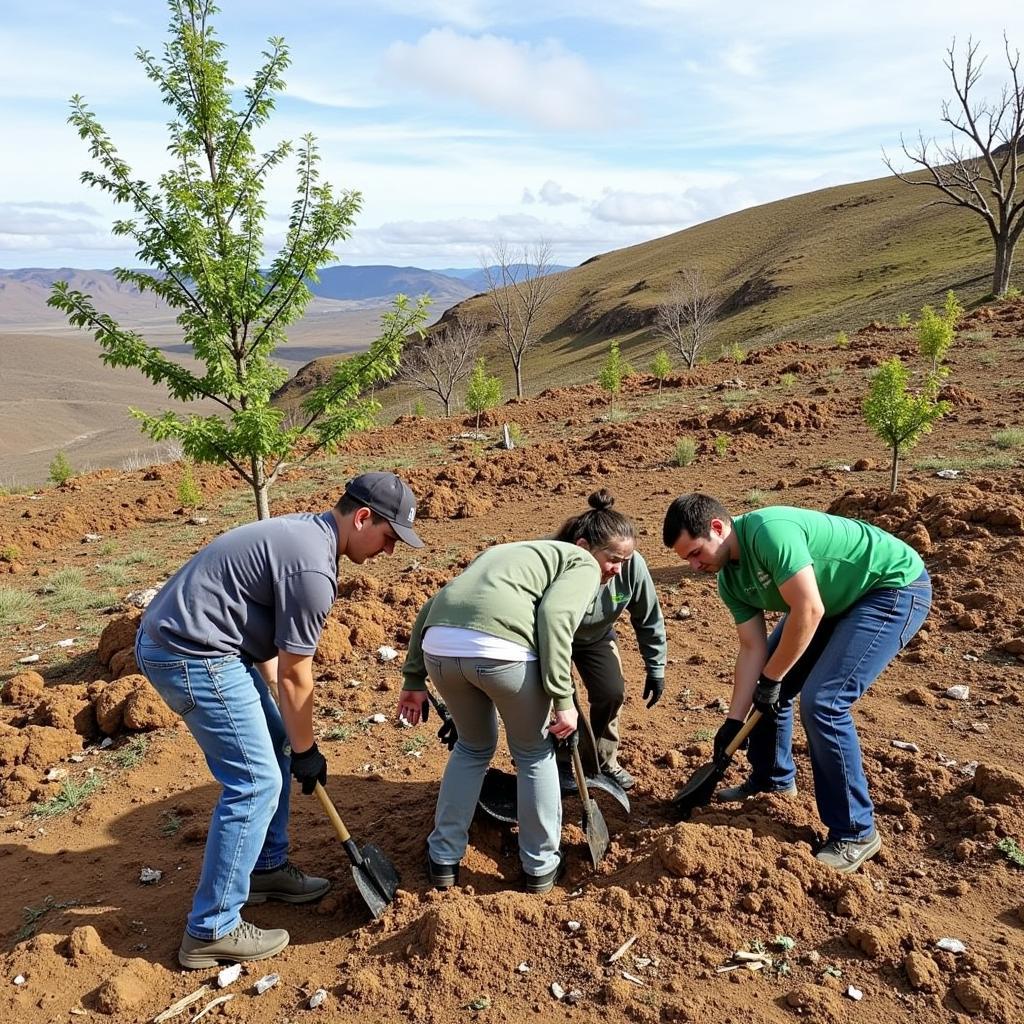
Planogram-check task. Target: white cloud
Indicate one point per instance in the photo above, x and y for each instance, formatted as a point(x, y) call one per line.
point(554, 195)
point(741, 59)
point(543, 84)
point(635, 208)
point(298, 88)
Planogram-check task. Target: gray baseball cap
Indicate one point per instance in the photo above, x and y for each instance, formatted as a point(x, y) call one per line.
point(391, 498)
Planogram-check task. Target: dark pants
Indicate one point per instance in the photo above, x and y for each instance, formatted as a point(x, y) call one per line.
point(600, 671)
point(846, 655)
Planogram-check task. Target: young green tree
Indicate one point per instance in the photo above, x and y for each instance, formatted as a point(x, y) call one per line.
point(934, 336)
point(610, 377)
point(952, 311)
point(60, 469)
point(483, 391)
point(198, 232)
point(661, 367)
point(899, 418)
point(189, 493)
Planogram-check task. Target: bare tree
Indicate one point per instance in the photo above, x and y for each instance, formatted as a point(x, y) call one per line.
point(979, 168)
point(520, 285)
point(441, 360)
point(687, 317)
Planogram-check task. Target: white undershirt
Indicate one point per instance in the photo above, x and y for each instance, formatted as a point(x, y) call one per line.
point(456, 642)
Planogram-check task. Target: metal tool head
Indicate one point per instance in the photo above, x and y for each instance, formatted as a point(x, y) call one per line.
point(376, 879)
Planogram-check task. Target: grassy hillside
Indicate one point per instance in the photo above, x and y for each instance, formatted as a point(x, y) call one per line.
point(804, 266)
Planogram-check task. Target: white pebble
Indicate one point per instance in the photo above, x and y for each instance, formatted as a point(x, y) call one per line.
point(56, 774)
point(386, 653)
point(148, 876)
point(378, 719)
point(951, 946)
point(557, 991)
point(573, 997)
point(228, 975)
point(30, 659)
point(855, 993)
point(573, 926)
point(267, 981)
point(20, 979)
point(524, 968)
point(958, 692)
point(317, 998)
point(66, 643)
point(904, 745)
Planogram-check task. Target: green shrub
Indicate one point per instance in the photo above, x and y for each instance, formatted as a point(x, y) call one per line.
point(189, 494)
point(15, 606)
point(10, 553)
point(903, 320)
point(60, 470)
point(842, 341)
point(721, 444)
point(934, 336)
point(419, 409)
point(1013, 292)
point(686, 451)
point(483, 392)
point(952, 311)
point(787, 381)
point(734, 352)
point(661, 367)
point(1013, 437)
point(610, 377)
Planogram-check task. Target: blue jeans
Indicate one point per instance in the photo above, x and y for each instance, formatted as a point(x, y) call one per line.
point(230, 711)
point(845, 656)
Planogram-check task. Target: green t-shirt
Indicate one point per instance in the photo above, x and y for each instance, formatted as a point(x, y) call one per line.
point(849, 557)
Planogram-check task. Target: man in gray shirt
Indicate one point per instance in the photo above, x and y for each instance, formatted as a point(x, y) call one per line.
point(247, 611)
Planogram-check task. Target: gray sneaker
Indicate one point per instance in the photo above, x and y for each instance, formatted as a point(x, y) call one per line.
point(246, 942)
point(846, 855)
point(287, 884)
point(744, 791)
point(619, 775)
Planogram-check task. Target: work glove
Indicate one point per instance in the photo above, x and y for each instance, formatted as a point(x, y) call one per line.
point(726, 734)
point(653, 689)
point(447, 733)
point(309, 768)
point(767, 695)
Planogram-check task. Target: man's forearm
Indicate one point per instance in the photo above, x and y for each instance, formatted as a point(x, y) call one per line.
point(797, 633)
point(749, 663)
point(296, 697)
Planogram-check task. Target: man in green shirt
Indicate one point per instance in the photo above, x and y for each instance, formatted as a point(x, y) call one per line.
point(852, 597)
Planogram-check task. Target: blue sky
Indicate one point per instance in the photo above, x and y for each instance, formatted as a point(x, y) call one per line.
point(592, 124)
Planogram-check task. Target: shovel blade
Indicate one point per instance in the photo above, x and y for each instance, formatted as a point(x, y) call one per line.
point(498, 799)
point(606, 785)
point(700, 787)
point(376, 879)
point(596, 830)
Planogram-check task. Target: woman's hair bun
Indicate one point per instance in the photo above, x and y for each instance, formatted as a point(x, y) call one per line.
point(601, 500)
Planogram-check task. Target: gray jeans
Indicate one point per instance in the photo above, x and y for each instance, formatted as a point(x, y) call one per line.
point(476, 691)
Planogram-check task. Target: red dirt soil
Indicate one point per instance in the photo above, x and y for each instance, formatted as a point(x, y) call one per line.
point(88, 939)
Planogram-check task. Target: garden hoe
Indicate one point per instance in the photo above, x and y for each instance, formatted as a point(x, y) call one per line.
point(702, 783)
point(376, 877)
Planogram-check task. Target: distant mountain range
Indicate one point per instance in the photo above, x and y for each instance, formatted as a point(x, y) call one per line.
point(23, 292)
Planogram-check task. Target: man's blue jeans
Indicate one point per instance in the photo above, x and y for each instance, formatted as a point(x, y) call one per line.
point(846, 655)
point(230, 711)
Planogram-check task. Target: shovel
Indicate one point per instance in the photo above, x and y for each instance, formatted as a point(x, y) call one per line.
point(701, 786)
point(594, 825)
point(376, 877)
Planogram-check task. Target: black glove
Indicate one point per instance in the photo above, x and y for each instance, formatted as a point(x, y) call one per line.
point(309, 768)
point(653, 689)
point(726, 734)
point(767, 695)
point(448, 734)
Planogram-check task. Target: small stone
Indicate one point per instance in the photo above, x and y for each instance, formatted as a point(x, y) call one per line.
point(20, 979)
point(684, 612)
point(811, 957)
point(386, 653)
point(228, 975)
point(30, 659)
point(980, 727)
point(353, 683)
point(141, 598)
point(66, 643)
point(573, 996)
point(951, 946)
point(199, 520)
point(378, 719)
point(524, 968)
point(317, 998)
point(948, 474)
point(266, 982)
point(855, 993)
point(573, 926)
point(149, 876)
point(958, 692)
point(557, 991)
point(912, 748)
point(91, 538)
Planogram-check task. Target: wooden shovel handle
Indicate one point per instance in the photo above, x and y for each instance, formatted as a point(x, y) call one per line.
point(332, 813)
point(748, 725)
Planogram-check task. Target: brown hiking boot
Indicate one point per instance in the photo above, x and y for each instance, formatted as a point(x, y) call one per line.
point(287, 884)
point(246, 942)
